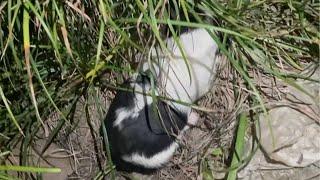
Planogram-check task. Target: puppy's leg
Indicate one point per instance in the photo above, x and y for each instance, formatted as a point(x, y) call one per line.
point(193, 118)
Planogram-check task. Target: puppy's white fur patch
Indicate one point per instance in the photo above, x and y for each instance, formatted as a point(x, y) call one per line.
point(140, 101)
point(200, 51)
point(154, 161)
point(121, 114)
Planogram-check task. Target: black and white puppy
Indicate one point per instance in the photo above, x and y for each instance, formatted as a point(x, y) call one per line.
point(143, 139)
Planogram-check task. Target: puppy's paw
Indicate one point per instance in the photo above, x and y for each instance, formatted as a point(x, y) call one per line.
point(193, 118)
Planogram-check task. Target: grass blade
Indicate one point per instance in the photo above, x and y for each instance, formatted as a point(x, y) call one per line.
point(4, 99)
point(239, 146)
point(30, 169)
point(26, 45)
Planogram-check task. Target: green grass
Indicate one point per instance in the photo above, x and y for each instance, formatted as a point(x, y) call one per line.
point(30, 169)
point(52, 53)
point(237, 155)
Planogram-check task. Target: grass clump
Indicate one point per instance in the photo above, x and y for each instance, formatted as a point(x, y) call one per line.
point(52, 53)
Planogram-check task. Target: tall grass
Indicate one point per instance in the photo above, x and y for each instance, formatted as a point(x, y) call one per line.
point(53, 52)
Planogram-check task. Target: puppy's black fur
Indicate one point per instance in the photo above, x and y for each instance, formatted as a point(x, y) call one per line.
point(151, 132)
